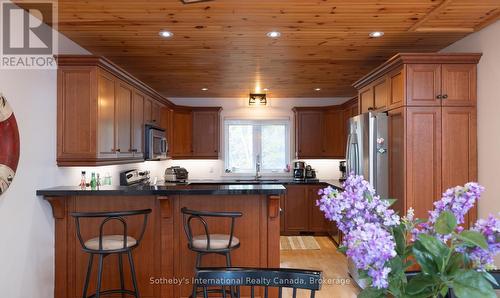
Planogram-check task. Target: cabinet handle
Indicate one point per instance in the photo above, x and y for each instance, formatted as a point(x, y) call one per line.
point(371, 108)
point(133, 150)
point(445, 96)
point(439, 96)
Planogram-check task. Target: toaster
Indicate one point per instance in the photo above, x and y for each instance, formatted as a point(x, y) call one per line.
point(176, 174)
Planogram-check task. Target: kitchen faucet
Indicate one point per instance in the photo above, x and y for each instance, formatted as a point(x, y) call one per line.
point(257, 168)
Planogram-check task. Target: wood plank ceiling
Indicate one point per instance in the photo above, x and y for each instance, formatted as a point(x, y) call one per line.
point(222, 45)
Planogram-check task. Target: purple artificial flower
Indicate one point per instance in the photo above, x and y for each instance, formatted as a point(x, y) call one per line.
point(490, 228)
point(370, 247)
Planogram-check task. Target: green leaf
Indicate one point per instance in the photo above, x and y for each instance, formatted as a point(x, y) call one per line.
point(342, 249)
point(419, 283)
point(399, 237)
point(445, 223)
point(424, 259)
point(371, 293)
point(471, 284)
point(436, 248)
point(490, 278)
point(473, 238)
point(444, 291)
point(455, 262)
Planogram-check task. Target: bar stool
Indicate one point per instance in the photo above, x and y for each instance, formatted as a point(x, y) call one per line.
point(106, 245)
point(207, 243)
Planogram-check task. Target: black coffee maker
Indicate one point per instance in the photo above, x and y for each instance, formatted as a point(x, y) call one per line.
point(299, 170)
point(343, 170)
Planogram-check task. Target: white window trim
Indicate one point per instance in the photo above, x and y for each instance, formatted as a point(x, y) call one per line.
point(232, 120)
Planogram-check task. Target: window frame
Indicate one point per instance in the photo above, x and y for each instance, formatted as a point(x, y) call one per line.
point(257, 148)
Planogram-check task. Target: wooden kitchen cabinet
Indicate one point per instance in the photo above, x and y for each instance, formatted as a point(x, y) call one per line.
point(366, 102)
point(301, 215)
point(195, 132)
point(100, 113)
point(182, 140)
point(432, 129)
point(148, 110)
point(206, 127)
point(334, 135)
point(123, 114)
point(137, 135)
point(309, 133)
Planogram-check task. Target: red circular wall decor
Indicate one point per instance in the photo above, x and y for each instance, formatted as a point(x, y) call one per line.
point(9, 144)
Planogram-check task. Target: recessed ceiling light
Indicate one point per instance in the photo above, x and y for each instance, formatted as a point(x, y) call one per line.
point(166, 34)
point(376, 34)
point(317, 89)
point(204, 89)
point(273, 34)
point(266, 89)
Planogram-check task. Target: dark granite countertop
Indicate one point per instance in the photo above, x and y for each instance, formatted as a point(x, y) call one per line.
point(167, 189)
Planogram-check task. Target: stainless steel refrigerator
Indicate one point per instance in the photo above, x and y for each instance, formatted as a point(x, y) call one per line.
point(367, 150)
point(367, 155)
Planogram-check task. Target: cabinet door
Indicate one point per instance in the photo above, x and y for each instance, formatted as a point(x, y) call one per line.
point(334, 144)
point(166, 122)
point(459, 84)
point(138, 124)
point(366, 99)
point(380, 93)
point(106, 115)
point(459, 145)
point(123, 114)
point(396, 153)
point(182, 145)
point(155, 113)
point(206, 134)
point(296, 208)
point(148, 110)
point(317, 220)
point(423, 84)
point(309, 139)
point(396, 88)
point(423, 159)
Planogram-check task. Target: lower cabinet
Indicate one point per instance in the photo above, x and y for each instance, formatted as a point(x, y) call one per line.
point(300, 213)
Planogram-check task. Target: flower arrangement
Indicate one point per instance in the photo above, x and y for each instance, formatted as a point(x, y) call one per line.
point(382, 245)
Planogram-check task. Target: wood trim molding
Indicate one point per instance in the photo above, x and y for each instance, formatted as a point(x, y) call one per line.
point(273, 206)
point(58, 205)
point(417, 58)
point(165, 207)
point(106, 64)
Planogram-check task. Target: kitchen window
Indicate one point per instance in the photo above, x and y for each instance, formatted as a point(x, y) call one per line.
point(248, 142)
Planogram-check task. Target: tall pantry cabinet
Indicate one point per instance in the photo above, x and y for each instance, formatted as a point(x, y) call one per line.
point(431, 101)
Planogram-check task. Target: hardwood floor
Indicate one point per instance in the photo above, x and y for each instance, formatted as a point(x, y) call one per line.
point(338, 284)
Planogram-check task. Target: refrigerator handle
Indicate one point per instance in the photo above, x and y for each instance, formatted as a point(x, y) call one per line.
point(348, 154)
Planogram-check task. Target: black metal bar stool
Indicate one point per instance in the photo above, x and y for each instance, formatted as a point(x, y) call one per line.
point(105, 245)
point(208, 243)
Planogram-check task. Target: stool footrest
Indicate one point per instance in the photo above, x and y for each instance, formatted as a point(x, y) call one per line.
point(117, 291)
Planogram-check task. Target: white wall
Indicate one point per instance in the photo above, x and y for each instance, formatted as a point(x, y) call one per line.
point(486, 41)
point(277, 108)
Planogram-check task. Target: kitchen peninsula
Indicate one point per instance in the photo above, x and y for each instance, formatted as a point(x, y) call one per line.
point(163, 255)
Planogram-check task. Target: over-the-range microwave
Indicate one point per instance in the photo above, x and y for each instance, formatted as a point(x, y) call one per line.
point(155, 141)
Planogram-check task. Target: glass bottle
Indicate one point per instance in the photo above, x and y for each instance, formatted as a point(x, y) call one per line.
point(83, 181)
point(93, 181)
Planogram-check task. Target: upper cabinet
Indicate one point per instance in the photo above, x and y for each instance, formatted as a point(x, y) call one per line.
point(101, 113)
point(320, 132)
point(196, 133)
point(420, 80)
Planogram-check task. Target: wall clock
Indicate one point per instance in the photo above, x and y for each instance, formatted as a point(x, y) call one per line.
point(9, 145)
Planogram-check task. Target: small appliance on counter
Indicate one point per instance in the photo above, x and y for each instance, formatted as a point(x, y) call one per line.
point(133, 177)
point(310, 172)
point(343, 171)
point(303, 172)
point(299, 170)
point(176, 174)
